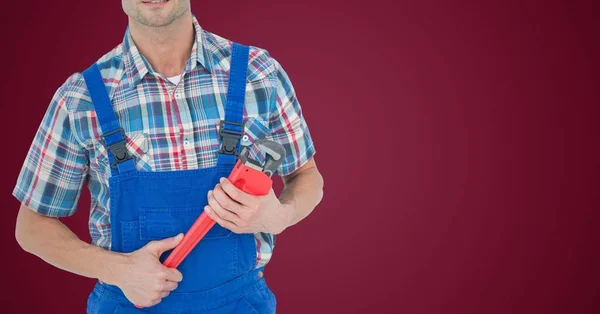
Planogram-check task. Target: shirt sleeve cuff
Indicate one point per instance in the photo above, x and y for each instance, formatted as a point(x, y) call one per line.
point(290, 168)
point(42, 209)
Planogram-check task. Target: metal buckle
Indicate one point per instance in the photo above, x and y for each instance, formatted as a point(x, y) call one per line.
point(118, 149)
point(230, 138)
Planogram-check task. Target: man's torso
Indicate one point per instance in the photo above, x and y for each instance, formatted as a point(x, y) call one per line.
point(168, 127)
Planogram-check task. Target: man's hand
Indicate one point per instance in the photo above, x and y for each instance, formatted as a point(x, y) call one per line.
point(240, 212)
point(145, 281)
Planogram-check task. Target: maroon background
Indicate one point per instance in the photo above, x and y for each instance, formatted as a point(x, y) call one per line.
point(458, 141)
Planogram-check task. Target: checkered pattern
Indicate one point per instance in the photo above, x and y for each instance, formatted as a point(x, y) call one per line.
point(169, 127)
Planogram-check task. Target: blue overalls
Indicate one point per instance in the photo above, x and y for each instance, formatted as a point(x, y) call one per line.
point(219, 275)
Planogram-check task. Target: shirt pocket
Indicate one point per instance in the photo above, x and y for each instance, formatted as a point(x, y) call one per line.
point(138, 146)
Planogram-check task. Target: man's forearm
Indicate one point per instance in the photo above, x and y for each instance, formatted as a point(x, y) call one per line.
point(52, 241)
point(302, 192)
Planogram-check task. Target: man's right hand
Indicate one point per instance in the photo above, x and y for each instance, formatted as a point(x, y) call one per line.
point(144, 280)
point(140, 274)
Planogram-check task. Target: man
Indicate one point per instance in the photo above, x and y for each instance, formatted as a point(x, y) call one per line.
point(143, 127)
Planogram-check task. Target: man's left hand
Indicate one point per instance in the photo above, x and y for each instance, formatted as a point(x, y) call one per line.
point(240, 212)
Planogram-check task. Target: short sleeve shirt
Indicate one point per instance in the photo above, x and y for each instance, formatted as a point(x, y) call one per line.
point(168, 126)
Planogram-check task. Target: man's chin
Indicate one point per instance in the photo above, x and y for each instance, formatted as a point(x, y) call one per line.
point(154, 20)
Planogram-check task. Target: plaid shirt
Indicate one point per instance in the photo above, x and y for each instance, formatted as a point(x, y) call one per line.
point(169, 127)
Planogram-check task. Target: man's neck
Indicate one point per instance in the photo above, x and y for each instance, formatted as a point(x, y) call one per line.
point(167, 48)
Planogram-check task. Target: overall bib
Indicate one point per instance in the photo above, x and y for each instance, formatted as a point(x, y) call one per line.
point(219, 275)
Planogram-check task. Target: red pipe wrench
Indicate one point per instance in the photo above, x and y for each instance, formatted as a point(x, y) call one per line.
point(247, 175)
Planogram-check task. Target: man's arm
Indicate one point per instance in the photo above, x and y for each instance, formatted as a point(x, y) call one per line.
point(141, 276)
point(239, 212)
point(242, 213)
point(52, 241)
point(49, 186)
point(303, 191)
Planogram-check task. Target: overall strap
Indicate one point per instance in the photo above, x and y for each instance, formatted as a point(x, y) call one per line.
point(232, 128)
point(113, 136)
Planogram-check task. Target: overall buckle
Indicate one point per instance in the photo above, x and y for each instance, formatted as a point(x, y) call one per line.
point(118, 149)
point(230, 138)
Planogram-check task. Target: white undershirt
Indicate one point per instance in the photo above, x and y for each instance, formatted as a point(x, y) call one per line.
point(175, 79)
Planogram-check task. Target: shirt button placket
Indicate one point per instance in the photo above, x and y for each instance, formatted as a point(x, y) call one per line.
point(187, 126)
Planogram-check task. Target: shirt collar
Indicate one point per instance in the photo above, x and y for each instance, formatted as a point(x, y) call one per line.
point(136, 65)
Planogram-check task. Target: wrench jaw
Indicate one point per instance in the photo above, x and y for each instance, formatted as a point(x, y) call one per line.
point(249, 162)
point(273, 149)
point(274, 154)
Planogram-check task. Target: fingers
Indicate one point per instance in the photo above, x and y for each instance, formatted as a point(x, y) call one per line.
point(159, 247)
point(236, 194)
point(153, 302)
point(225, 200)
point(173, 274)
point(150, 281)
point(164, 286)
point(170, 286)
point(223, 223)
point(160, 290)
point(217, 209)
